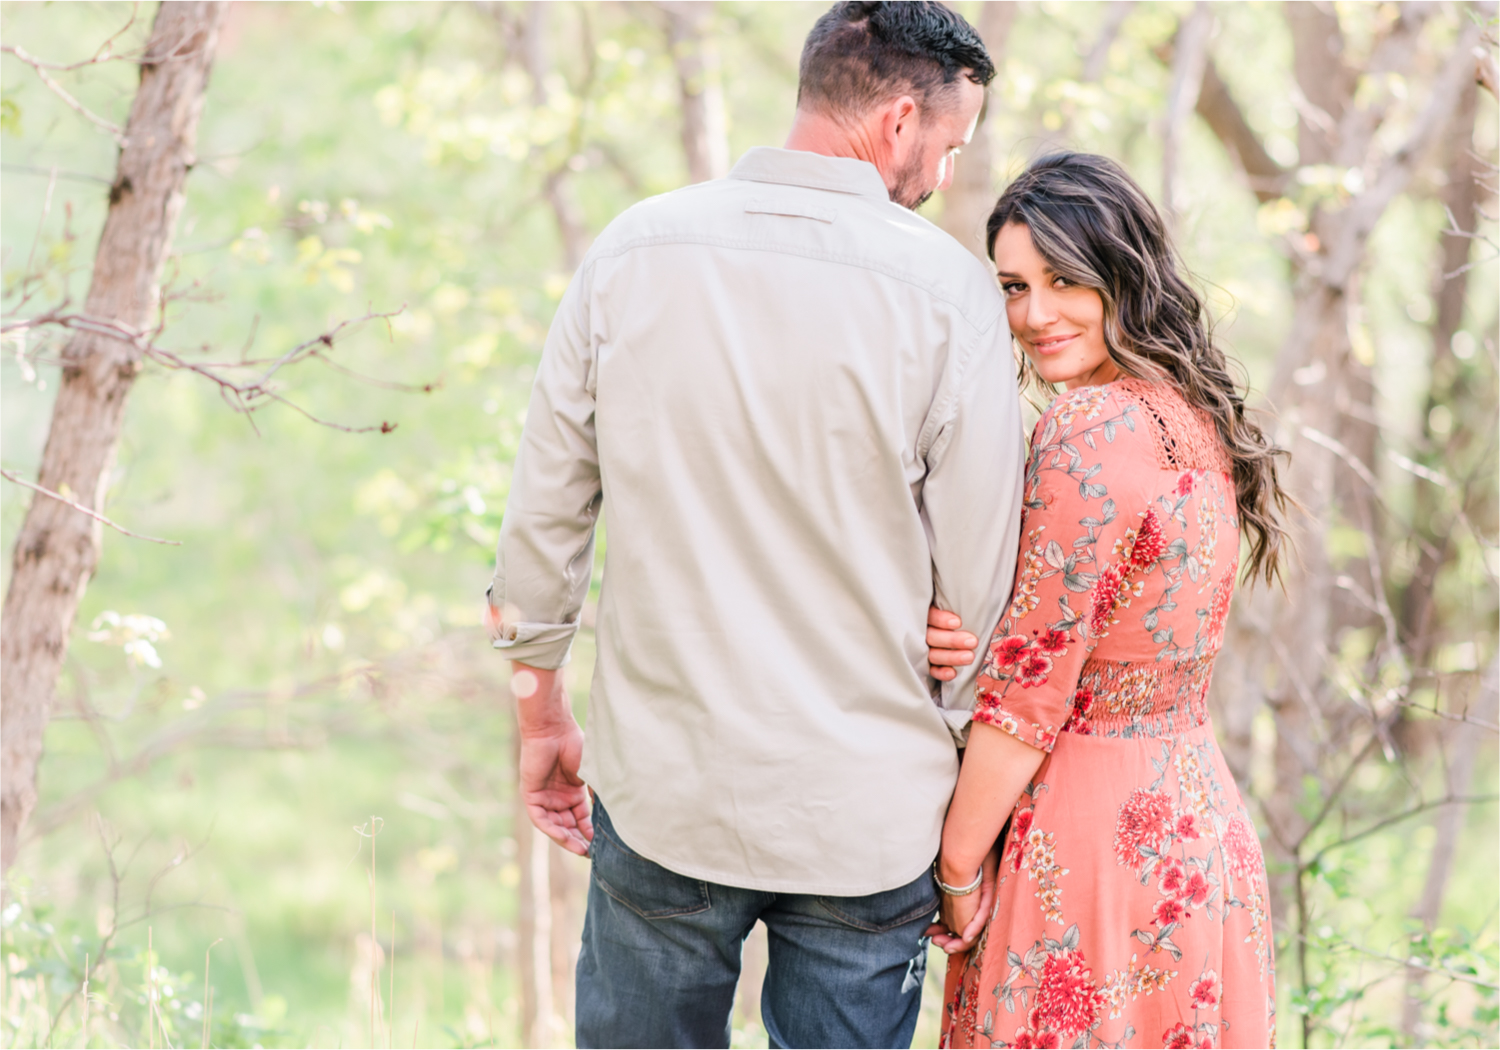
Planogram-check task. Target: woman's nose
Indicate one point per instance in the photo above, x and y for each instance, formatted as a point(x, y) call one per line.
point(1040, 310)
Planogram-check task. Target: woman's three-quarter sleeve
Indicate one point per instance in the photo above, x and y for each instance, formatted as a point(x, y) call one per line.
point(1085, 531)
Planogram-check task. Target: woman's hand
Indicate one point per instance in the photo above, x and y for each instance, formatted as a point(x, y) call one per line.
point(948, 646)
point(964, 918)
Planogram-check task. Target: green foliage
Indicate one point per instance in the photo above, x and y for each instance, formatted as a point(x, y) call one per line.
point(313, 652)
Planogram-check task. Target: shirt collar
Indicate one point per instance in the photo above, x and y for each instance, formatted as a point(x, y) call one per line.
point(813, 170)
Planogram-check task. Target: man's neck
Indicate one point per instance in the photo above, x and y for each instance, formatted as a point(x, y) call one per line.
point(815, 133)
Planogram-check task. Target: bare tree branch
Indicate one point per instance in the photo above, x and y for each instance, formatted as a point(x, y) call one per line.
point(1217, 107)
point(1417, 964)
point(103, 53)
point(239, 394)
point(110, 128)
point(1365, 210)
point(85, 510)
point(1397, 818)
point(1222, 113)
point(1484, 72)
point(76, 176)
point(1098, 56)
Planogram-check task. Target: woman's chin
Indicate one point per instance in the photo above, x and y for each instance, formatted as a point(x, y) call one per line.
point(1063, 377)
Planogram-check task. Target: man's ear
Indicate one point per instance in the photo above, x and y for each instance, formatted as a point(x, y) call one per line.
point(899, 119)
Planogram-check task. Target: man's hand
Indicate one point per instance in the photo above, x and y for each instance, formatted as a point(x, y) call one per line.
point(948, 646)
point(556, 799)
point(963, 918)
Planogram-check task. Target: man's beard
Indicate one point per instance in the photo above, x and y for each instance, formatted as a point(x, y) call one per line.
point(908, 192)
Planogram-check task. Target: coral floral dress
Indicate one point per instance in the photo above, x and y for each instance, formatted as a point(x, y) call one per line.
point(1132, 902)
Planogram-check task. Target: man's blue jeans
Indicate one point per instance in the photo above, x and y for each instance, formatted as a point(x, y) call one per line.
point(661, 958)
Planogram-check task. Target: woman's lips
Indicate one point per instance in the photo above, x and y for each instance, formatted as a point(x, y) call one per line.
point(1052, 344)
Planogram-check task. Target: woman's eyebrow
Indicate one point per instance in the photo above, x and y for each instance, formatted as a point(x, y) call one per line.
point(1006, 273)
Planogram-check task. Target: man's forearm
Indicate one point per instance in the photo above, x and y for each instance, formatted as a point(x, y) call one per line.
point(556, 798)
point(542, 707)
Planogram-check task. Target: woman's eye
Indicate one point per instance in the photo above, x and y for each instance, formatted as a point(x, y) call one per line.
point(1061, 282)
point(1013, 288)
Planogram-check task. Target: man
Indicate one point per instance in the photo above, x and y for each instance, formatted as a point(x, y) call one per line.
point(794, 401)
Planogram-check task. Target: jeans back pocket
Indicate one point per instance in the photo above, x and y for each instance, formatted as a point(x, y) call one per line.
point(888, 910)
point(643, 886)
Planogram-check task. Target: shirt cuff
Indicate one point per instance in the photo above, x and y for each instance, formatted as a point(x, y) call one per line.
point(545, 646)
point(958, 724)
point(542, 645)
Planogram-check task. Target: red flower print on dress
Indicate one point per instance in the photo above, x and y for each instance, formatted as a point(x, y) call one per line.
point(1195, 891)
point(1145, 820)
point(1168, 911)
point(1241, 848)
point(1218, 612)
point(1020, 827)
point(1067, 1002)
point(1171, 877)
point(1078, 720)
point(1030, 1040)
point(1053, 642)
point(1186, 826)
point(1150, 542)
point(1184, 483)
point(986, 703)
point(1009, 650)
point(1204, 993)
point(1083, 702)
point(1106, 596)
point(1181, 1036)
point(1034, 671)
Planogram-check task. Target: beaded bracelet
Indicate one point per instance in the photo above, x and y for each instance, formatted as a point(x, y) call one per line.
point(956, 891)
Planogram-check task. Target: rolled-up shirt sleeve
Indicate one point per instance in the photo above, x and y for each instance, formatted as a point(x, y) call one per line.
point(546, 552)
point(971, 501)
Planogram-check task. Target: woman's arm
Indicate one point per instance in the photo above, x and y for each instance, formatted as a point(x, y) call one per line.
point(996, 769)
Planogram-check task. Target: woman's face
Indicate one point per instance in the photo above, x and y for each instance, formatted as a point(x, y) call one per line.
point(1059, 325)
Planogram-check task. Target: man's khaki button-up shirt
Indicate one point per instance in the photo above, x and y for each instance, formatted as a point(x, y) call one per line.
point(794, 403)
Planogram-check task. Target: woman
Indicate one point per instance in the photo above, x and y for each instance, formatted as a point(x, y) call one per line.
point(1130, 905)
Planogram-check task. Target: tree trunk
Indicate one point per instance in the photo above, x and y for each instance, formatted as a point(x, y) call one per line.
point(968, 201)
point(1461, 198)
point(1189, 59)
point(1095, 62)
point(57, 549)
point(557, 187)
point(1322, 390)
point(705, 138)
point(533, 919)
point(566, 875)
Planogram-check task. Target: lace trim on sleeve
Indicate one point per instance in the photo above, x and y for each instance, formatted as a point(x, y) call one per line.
point(1185, 437)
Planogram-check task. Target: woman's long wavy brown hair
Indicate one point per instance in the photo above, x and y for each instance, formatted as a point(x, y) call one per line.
point(1097, 228)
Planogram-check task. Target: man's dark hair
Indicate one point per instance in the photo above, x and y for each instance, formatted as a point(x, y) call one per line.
point(859, 54)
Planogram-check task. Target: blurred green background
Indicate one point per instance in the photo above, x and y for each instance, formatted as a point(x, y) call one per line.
point(319, 661)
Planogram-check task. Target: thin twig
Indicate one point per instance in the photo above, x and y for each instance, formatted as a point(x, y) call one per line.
point(1415, 964)
point(102, 54)
point(1381, 825)
point(112, 130)
point(1333, 796)
point(1338, 448)
point(86, 510)
point(240, 395)
point(385, 427)
point(41, 223)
